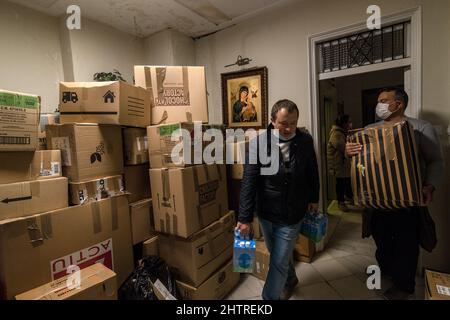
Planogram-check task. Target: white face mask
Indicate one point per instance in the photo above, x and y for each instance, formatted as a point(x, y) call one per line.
point(383, 111)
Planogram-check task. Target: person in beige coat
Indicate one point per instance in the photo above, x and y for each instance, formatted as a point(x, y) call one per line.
point(338, 163)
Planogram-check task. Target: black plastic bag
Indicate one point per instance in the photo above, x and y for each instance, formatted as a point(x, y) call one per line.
point(138, 286)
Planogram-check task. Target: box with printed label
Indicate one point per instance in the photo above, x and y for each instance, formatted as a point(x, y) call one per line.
point(195, 259)
point(93, 190)
point(142, 225)
point(95, 282)
point(45, 119)
point(135, 146)
point(31, 197)
point(88, 151)
point(38, 249)
point(177, 93)
point(185, 200)
point(46, 164)
point(110, 102)
point(137, 182)
point(198, 137)
point(437, 285)
point(215, 288)
point(19, 121)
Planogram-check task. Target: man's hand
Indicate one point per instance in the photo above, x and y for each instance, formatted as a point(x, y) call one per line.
point(352, 149)
point(313, 207)
point(245, 228)
point(427, 191)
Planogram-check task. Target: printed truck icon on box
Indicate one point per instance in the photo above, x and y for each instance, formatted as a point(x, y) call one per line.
point(69, 96)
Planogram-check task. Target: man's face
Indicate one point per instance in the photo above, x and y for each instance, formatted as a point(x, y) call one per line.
point(389, 97)
point(285, 122)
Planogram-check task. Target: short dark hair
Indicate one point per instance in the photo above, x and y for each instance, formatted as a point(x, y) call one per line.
point(400, 94)
point(341, 120)
point(283, 104)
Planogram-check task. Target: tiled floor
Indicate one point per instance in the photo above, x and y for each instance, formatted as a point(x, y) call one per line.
point(337, 273)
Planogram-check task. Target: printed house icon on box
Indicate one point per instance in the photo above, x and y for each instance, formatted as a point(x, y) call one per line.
point(109, 96)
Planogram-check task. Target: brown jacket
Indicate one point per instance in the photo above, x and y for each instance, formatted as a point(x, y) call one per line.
point(338, 164)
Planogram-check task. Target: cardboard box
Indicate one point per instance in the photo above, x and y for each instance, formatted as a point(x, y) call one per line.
point(217, 287)
point(39, 249)
point(262, 261)
point(45, 119)
point(161, 145)
point(386, 174)
point(195, 259)
point(142, 225)
point(88, 151)
point(19, 121)
point(151, 247)
point(46, 164)
point(177, 93)
point(110, 102)
point(135, 146)
point(304, 249)
point(437, 285)
point(95, 282)
point(97, 189)
point(31, 197)
point(137, 182)
point(185, 200)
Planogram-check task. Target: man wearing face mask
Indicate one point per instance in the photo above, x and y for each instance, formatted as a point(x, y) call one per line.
point(396, 232)
point(282, 199)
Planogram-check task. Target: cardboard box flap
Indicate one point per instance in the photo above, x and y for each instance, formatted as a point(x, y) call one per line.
point(141, 203)
point(91, 84)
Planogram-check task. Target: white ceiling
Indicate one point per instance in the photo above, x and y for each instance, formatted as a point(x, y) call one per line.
point(145, 17)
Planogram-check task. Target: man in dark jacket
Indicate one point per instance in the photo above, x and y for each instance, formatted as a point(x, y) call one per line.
point(281, 199)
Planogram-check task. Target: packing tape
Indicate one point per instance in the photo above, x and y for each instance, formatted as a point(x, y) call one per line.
point(174, 206)
point(34, 232)
point(200, 216)
point(206, 168)
point(210, 240)
point(46, 225)
point(219, 172)
point(186, 84)
point(166, 184)
point(175, 224)
point(148, 78)
point(35, 189)
point(167, 224)
point(188, 116)
point(195, 176)
point(96, 220)
point(114, 214)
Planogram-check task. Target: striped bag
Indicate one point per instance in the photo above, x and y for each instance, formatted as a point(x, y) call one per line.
point(386, 174)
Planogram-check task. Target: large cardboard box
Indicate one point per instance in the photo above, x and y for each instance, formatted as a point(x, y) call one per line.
point(142, 225)
point(195, 259)
point(137, 182)
point(304, 249)
point(95, 282)
point(93, 190)
point(31, 197)
point(45, 119)
point(39, 249)
point(135, 146)
point(88, 151)
point(151, 247)
point(217, 287)
point(19, 121)
point(386, 174)
point(185, 200)
point(177, 93)
point(111, 102)
point(161, 145)
point(262, 261)
point(437, 285)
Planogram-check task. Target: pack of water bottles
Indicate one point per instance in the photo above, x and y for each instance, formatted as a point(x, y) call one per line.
point(314, 226)
point(243, 254)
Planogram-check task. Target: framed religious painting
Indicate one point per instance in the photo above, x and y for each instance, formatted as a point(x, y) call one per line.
point(244, 98)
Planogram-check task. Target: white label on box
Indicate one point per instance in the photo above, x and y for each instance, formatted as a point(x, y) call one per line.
point(138, 143)
point(53, 171)
point(145, 143)
point(55, 168)
point(102, 187)
point(63, 144)
point(443, 290)
point(98, 253)
point(161, 288)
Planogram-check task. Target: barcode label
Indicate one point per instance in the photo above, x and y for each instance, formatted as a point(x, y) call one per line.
point(55, 168)
point(14, 140)
point(443, 290)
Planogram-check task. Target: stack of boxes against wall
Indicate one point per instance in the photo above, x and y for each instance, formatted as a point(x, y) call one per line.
point(190, 203)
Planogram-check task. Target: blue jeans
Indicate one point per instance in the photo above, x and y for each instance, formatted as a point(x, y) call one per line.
point(280, 241)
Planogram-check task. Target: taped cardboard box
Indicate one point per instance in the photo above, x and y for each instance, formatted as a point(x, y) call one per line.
point(88, 151)
point(110, 102)
point(97, 189)
point(45, 119)
point(161, 145)
point(177, 93)
point(437, 285)
point(386, 174)
point(137, 182)
point(185, 200)
point(95, 282)
point(46, 164)
point(262, 261)
point(195, 259)
point(151, 247)
point(217, 287)
point(40, 248)
point(31, 197)
point(135, 145)
point(304, 249)
point(142, 225)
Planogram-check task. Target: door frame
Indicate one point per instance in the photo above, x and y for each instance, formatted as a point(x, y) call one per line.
point(414, 87)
